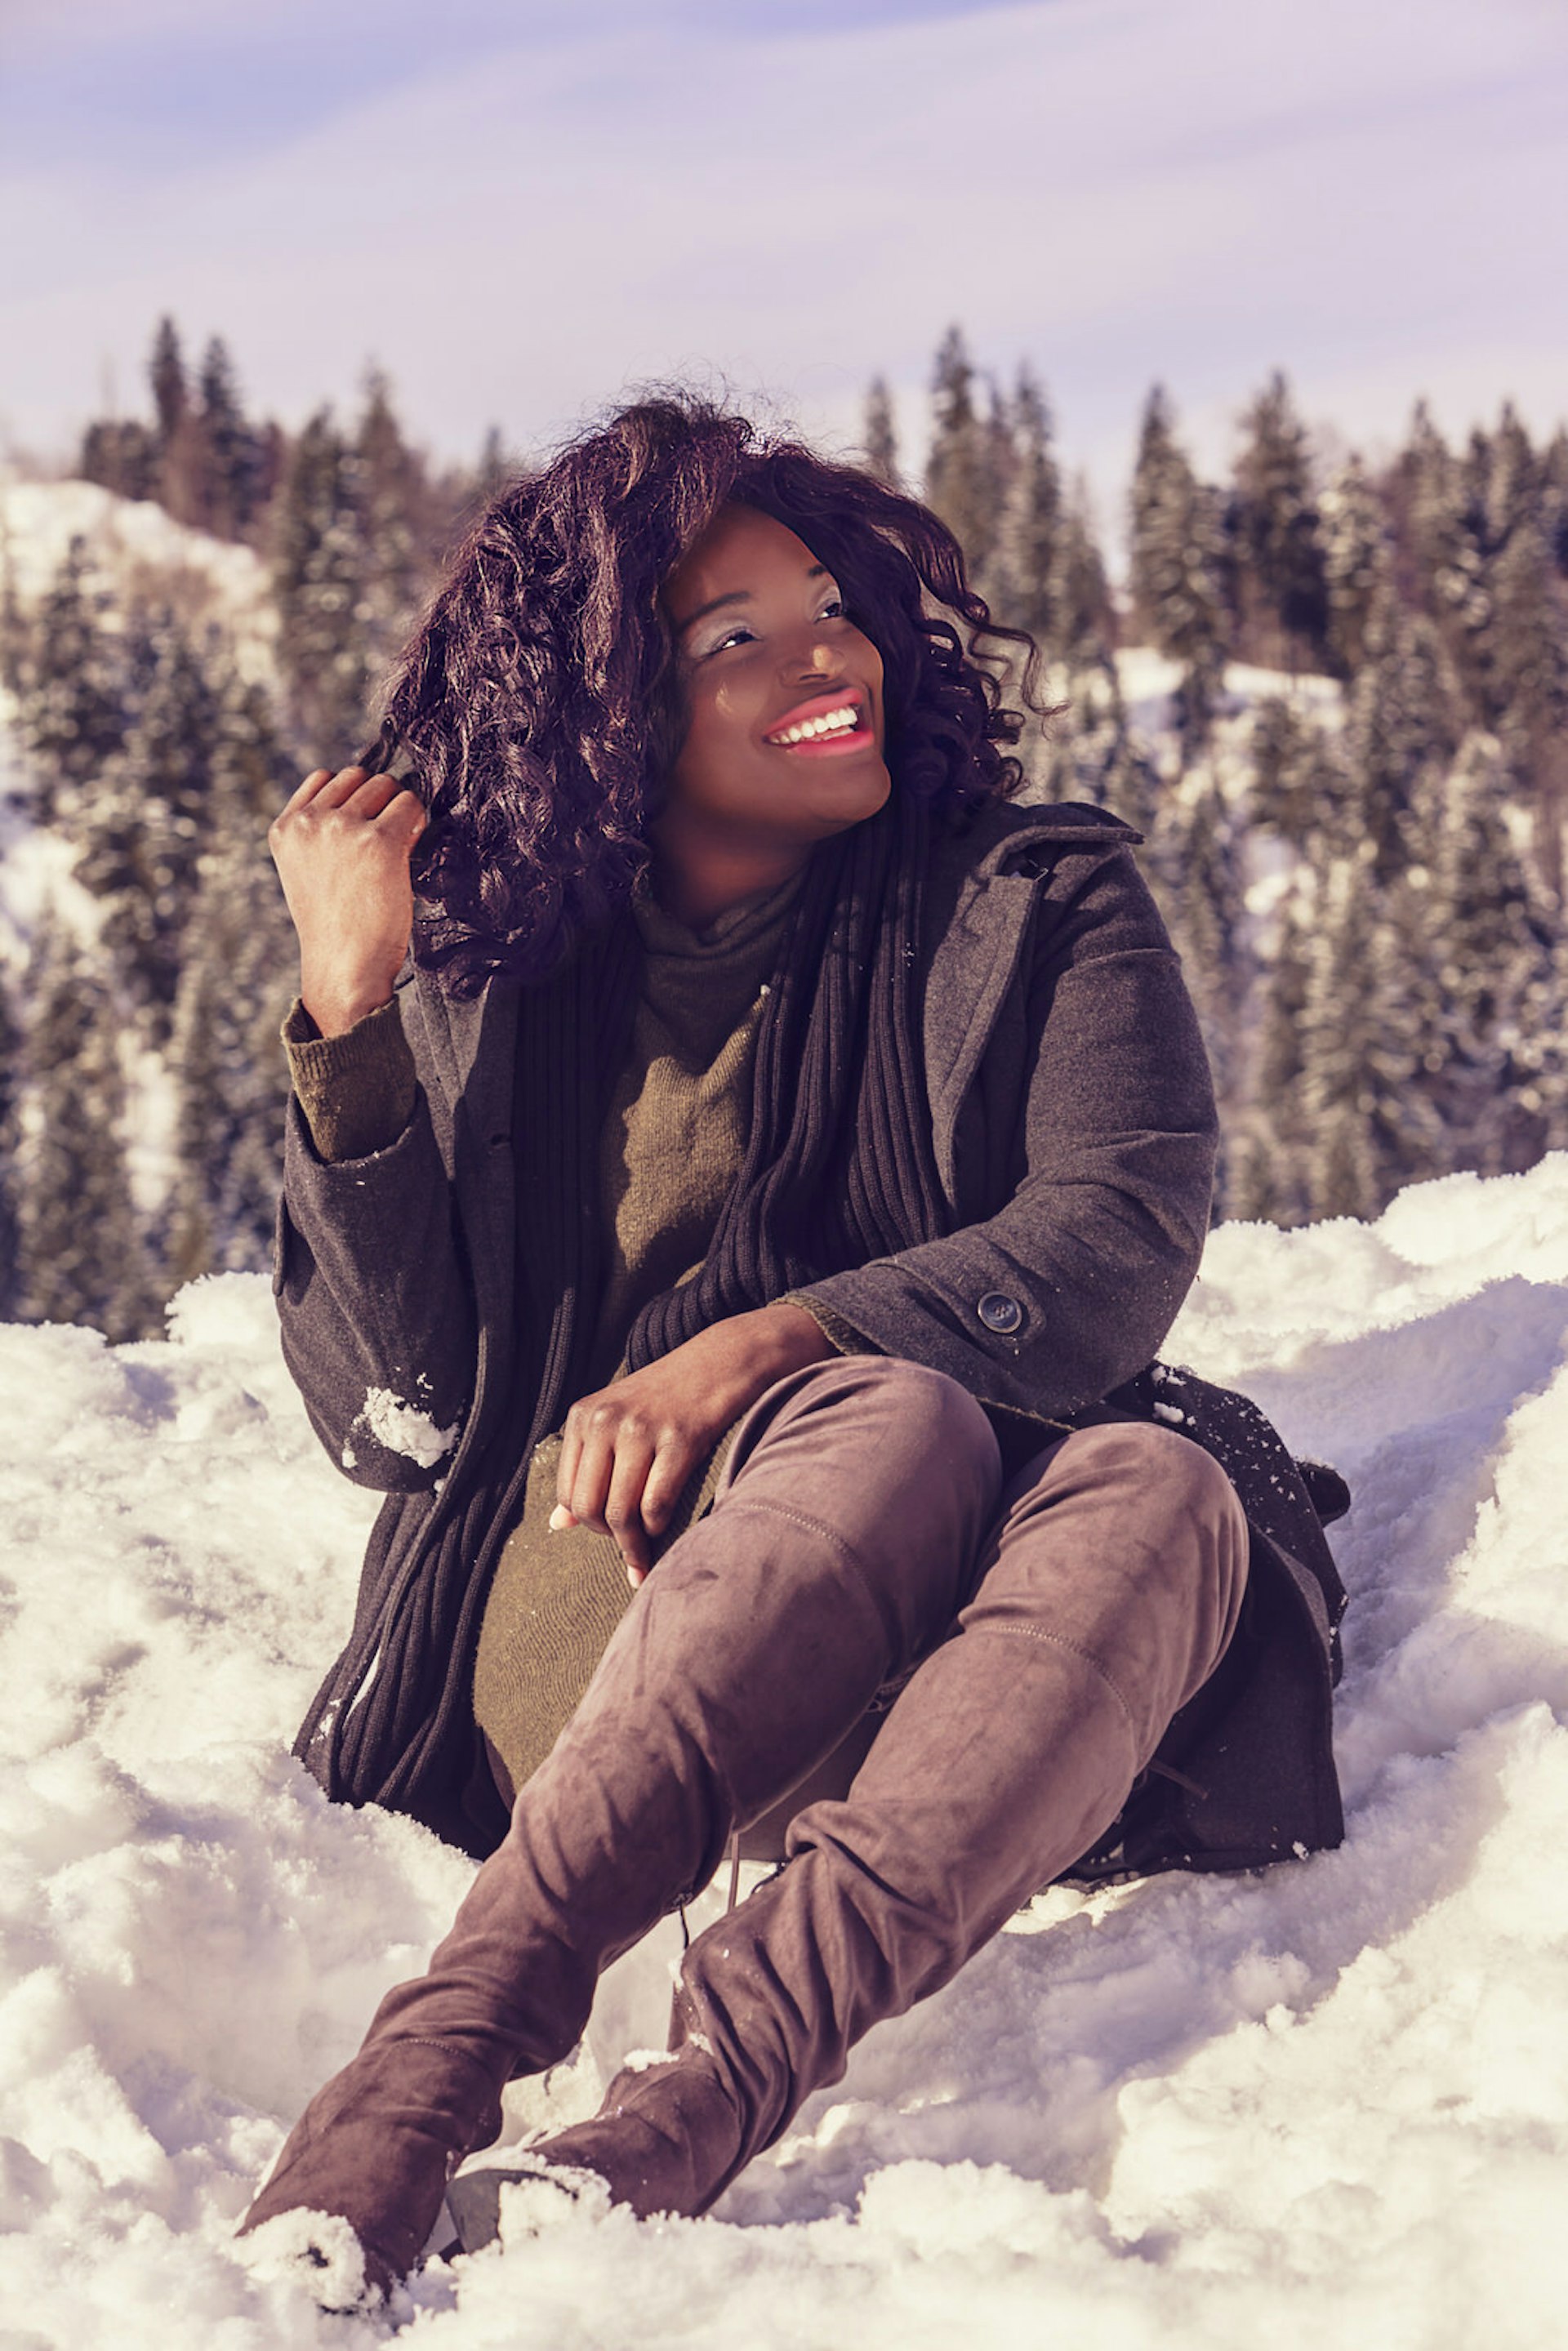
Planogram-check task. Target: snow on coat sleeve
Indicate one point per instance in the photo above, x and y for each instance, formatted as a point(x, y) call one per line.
point(1068, 1288)
point(376, 1303)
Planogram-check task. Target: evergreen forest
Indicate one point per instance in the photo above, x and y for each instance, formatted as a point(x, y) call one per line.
point(1331, 694)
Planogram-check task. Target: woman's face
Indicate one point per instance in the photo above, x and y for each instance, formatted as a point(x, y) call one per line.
point(784, 741)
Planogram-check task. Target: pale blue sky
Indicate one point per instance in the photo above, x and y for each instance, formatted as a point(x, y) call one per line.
point(520, 209)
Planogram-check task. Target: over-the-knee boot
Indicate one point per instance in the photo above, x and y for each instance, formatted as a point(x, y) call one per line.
point(843, 1542)
point(1108, 1596)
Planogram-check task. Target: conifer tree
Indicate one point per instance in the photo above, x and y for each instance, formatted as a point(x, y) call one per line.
point(1026, 552)
point(1299, 786)
point(79, 1252)
point(1272, 1180)
point(234, 450)
point(1176, 568)
point(121, 454)
point(10, 1144)
point(75, 698)
point(1197, 876)
point(1528, 680)
point(143, 836)
point(881, 435)
point(1090, 752)
point(1487, 969)
point(318, 581)
point(236, 982)
point(166, 371)
point(1367, 1129)
point(1078, 593)
point(1357, 564)
point(1554, 497)
point(961, 467)
point(1284, 592)
point(1399, 727)
point(390, 498)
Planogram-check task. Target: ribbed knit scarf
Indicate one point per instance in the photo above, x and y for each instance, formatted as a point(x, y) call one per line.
point(839, 1165)
point(839, 1169)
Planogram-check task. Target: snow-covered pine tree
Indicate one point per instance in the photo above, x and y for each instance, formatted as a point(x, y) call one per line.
point(1299, 788)
point(322, 593)
point(166, 374)
point(121, 454)
point(10, 1142)
point(1488, 970)
point(236, 452)
point(1283, 592)
point(961, 468)
point(392, 500)
point(1083, 612)
point(1400, 726)
point(1271, 1178)
point(1088, 751)
point(1528, 675)
point(80, 1251)
point(1554, 497)
point(1196, 870)
point(1366, 1130)
point(879, 437)
point(236, 979)
point(1358, 563)
point(70, 673)
point(1176, 571)
point(143, 834)
point(1025, 555)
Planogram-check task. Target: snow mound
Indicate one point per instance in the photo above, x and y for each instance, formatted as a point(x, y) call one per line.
point(137, 552)
point(1325, 2103)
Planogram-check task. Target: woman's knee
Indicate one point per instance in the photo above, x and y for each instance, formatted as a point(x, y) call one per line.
point(1159, 1523)
point(1159, 1468)
point(898, 1462)
point(887, 1415)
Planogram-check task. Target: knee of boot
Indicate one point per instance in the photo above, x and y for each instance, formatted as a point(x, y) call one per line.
point(1164, 1476)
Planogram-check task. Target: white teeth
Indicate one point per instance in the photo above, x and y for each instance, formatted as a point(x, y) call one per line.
point(833, 722)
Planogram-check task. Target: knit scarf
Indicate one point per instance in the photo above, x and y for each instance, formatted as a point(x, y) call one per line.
point(839, 1168)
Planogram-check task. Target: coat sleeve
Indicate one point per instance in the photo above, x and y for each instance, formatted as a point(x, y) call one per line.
point(1069, 1287)
point(375, 1298)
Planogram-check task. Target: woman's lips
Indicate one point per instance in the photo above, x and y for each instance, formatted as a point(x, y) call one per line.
point(829, 724)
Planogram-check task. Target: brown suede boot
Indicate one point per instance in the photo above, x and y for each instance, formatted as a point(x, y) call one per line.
point(1108, 1596)
point(841, 1547)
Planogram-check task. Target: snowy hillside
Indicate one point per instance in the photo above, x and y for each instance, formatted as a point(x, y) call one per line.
point(1328, 2103)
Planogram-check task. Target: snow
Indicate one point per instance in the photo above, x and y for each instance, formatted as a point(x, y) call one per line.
point(401, 1427)
point(1327, 2103)
point(138, 553)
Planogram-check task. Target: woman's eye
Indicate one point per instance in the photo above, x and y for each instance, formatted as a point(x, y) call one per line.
point(833, 610)
point(739, 636)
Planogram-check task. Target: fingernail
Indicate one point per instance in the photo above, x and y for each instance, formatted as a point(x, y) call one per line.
point(634, 1575)
point(561, 1518)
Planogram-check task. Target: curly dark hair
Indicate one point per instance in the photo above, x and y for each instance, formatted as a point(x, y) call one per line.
point(538, 703)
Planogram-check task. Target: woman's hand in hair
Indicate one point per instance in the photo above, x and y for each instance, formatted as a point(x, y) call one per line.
point(342, 847)
point(628, 1451)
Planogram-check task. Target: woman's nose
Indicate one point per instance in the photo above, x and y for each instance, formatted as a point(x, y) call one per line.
point(814, 657)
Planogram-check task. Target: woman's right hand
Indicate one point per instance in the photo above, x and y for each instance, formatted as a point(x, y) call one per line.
point(342, 847)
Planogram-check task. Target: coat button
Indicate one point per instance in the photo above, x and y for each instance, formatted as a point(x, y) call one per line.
point(999, 1313)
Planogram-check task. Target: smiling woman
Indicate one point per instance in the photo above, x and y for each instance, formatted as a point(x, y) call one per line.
point(763, 1197)
point(784, 734)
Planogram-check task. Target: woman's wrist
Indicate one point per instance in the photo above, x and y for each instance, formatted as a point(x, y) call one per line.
point(795, 1337)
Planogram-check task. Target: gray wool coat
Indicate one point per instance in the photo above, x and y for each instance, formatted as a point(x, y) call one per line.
point(1075, 1136)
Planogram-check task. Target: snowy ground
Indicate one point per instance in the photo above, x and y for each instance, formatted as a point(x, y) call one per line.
point(1325, 2103)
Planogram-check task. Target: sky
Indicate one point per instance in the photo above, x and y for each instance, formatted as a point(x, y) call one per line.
point(522, 210)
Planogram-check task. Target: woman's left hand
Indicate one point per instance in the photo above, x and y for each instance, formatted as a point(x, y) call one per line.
point(628, 1450)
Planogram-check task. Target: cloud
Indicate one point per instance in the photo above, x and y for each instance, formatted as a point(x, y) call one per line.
point(1369, 194)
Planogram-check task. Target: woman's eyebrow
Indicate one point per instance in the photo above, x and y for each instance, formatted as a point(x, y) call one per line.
point(735, 596)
